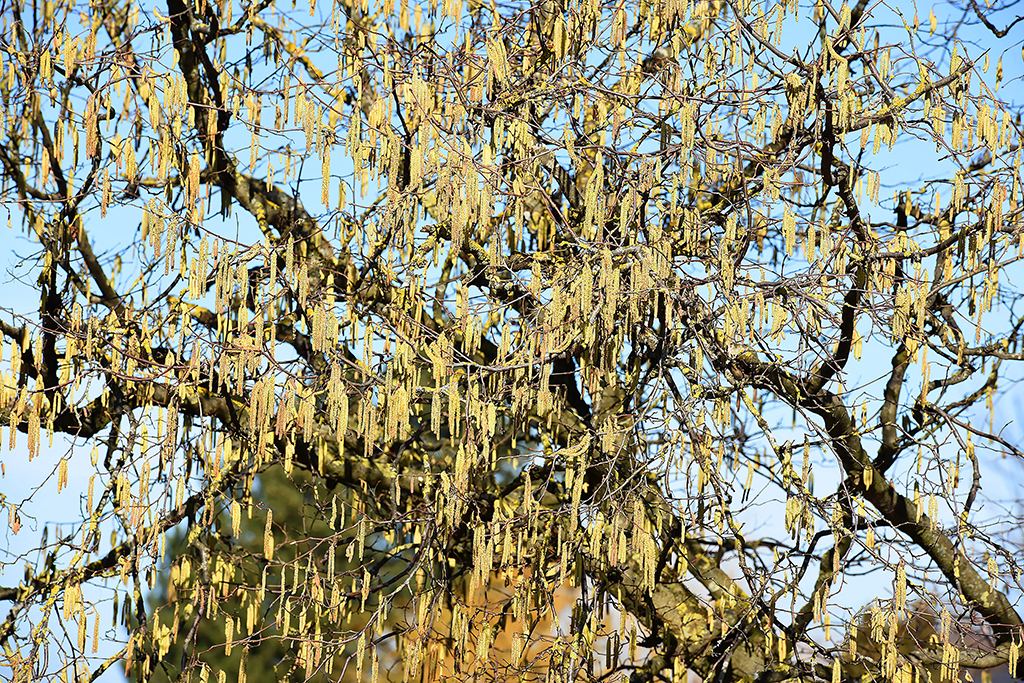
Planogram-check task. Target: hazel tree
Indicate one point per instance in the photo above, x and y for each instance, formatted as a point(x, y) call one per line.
point(507, 341)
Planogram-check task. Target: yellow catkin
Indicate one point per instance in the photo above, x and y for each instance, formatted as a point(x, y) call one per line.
point(901, 586)
point(268, 536)
point(789, 230)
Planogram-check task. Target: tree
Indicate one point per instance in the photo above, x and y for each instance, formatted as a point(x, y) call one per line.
point(508, 341)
